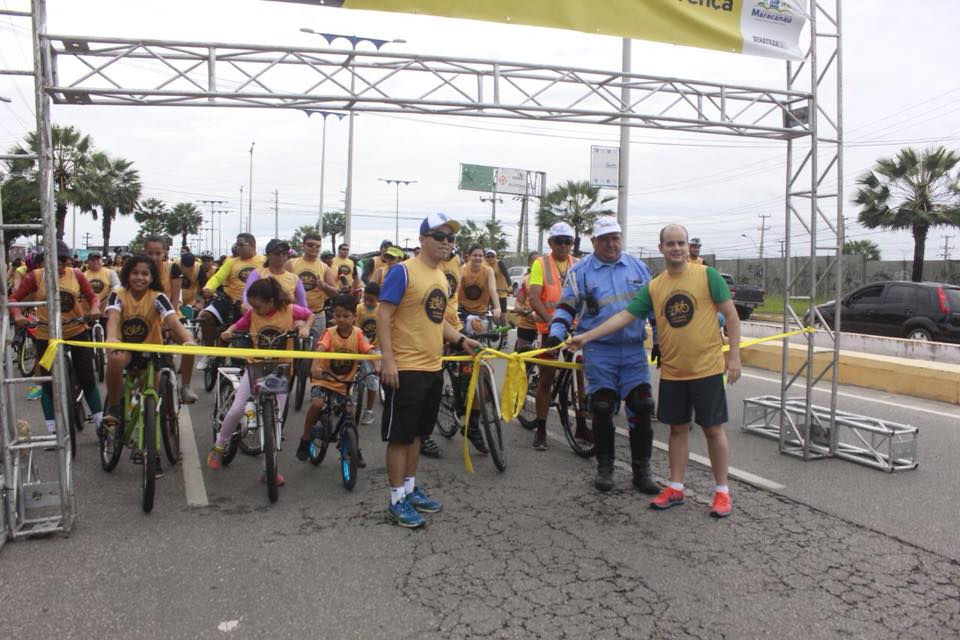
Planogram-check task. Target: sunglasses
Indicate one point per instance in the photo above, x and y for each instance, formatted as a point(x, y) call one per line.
point(562, 240)
point(440, 236)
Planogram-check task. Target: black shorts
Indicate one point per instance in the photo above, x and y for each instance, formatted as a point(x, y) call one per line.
point(410, 411)
point(140, 359)
point(529, 335)
point(704, 397)
point(225, 310)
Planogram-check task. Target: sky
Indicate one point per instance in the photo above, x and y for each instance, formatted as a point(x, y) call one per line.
point(901, 87)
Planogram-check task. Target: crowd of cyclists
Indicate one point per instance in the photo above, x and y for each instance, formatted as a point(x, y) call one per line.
point(340, 304)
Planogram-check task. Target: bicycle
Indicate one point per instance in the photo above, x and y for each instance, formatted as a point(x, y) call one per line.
point(567, 395)
point(453, 403)
point(489, 334)
point(301, 372)
point(24, 345)
point(264, 417)
point(215, 362)
point(344, 432)
point(98, 334)
point(148, 409)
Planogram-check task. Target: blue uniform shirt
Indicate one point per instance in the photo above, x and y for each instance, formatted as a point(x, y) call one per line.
point(596, 290)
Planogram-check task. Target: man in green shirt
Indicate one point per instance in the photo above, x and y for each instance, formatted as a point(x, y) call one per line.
point(685, 300)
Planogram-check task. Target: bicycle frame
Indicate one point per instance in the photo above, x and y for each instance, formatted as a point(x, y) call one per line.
point(137, 388)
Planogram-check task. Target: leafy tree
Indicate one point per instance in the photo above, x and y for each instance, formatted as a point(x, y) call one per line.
point(71, 153)
point(576, 203)
point(296, 242)
point(911, 191)
point(470, 234)
point(334, 224)
point(184, 220)
point(867, 248)
point(21, 205)
point(113, 186)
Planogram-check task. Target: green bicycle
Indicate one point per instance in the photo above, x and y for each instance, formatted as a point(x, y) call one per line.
point(150, 417)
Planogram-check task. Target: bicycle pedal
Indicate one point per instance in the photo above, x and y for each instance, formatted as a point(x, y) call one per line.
point(136, 457)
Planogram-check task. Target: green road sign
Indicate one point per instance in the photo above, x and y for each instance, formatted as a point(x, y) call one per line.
point(476, 177)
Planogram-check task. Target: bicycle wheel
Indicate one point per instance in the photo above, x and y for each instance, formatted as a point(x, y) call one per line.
point(169, 419)
point(99, 363)
point(576, 428)
point(348, 456)
point(267, 417)
point(27, 355)
point(300, 382)
point(358, 391)
point(111, 446)
point(148, 485)
point(318, 449)
point(490, 417)
point(73, 416)
point(210, 374)
point(448, 420)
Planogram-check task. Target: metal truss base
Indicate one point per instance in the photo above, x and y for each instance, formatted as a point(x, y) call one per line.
point(873, 442)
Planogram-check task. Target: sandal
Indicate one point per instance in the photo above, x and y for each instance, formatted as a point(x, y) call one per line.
point(112, 418)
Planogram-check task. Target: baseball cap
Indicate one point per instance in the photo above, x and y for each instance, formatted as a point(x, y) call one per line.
point(694, 241)
point(561, 230)
point(605, 225)
point(396, 252)
point(435, 220)
point(63, 251)
point(94, 255)
point(386, 243)
point(277, 245)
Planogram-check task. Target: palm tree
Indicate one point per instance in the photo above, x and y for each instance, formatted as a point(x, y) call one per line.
point(296, 242)
point(575, 203)
point(913, 192)
point(334, 224)
point(20, 201)
point(113, 186)
point(71, 153)
point(184, 220)
point(470, 234)
point(867, 248)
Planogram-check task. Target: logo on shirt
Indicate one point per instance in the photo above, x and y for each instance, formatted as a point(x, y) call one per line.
point(67, 301)
point(679, 310)
point(185, 282)
point(134, 330)
point(472, 291)
point(97, 286)
point(266, 339)
point(309, 280)
point(243, 273)
point(369, 328)
point(341, 367)
point(343, 270)
point(434, 305)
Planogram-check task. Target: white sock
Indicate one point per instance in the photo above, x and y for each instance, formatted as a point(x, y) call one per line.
point(676, 485)
point(722, 488)
point(51, 426)
point(409, 484)
point(97, 418)
point(396, 495)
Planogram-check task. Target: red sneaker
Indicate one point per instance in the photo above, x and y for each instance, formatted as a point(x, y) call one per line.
point(669, 497)
point(721, 506)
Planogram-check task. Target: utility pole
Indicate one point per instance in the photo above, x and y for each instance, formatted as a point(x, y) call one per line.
point(86, 239)
point(763, 263)
point(946, 257)
point(220, 213)
point(212, 203)
point(276, 213)
point(241, 208)
point(250, 192)
point(493, 200)
point(623, 182)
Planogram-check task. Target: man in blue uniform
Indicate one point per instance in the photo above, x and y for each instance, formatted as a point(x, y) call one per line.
point(616, 366)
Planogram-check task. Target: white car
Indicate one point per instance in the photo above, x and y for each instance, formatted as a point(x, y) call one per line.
point(516, 277)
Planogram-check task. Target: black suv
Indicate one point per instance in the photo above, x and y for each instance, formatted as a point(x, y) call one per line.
point(914, 310)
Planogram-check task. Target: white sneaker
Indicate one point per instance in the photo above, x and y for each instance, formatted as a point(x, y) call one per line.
point(202, 363)
point(367, 417)
point(187, 396)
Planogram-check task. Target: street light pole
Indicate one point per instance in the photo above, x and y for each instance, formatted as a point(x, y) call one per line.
point(396, 230)
point(220, 213)
point(323, 159)
point(354, 42)
point(250, 193)
point(212, 203)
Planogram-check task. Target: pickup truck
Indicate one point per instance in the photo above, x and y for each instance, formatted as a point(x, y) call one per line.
point(745, 297)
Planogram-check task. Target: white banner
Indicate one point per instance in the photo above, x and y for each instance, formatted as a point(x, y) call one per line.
point(605, 167)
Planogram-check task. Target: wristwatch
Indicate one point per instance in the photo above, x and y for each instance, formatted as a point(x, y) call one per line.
point(461, 341)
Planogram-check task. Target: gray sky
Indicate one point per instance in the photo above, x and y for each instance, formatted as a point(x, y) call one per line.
point(900, 88)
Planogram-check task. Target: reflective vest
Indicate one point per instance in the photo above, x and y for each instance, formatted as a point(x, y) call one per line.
point(552, 288)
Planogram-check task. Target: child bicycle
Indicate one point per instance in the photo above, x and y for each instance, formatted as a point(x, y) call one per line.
point(149, 418)
point(337, 423)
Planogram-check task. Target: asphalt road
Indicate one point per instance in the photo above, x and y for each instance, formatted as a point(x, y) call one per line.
point(837, 550)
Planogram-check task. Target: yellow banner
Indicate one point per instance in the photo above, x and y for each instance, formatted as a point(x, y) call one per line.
point(768, 28)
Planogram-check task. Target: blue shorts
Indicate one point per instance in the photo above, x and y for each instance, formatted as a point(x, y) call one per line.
point(616, 367)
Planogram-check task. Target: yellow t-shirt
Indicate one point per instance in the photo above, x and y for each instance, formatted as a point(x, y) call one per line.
point(287, 281)
point(141, 320)
point(344, 271)
point(311, 274)
point(451, 269)
point(474, 288)
point(367, 321)
point(70, 297)
point(692, 260)
point(100, 283)
point(416, 331)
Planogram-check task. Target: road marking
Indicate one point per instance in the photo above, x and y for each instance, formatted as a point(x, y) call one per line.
point(190, 462)
point(856, 396)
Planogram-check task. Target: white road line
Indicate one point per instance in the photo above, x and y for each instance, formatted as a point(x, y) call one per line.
point(190, 462)
point(856, 396)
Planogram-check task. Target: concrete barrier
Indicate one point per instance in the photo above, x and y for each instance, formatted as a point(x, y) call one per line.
point(906, 376)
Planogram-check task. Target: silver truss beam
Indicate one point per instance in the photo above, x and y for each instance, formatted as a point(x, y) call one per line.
point(113, 71)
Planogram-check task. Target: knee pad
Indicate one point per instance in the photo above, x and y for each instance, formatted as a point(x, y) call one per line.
point(603, 403)
point(640, 400)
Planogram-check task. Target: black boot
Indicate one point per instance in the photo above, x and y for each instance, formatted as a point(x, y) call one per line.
point(603, 437)
point(641, 447)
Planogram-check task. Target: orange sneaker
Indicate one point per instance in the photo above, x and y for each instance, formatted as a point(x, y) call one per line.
point(721, 506)
point(215, 457)
point(669, 497)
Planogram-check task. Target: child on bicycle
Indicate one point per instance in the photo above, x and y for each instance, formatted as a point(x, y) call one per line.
point(329, 376)
point(271, 313)
point(367, 321)
point(136, 312)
